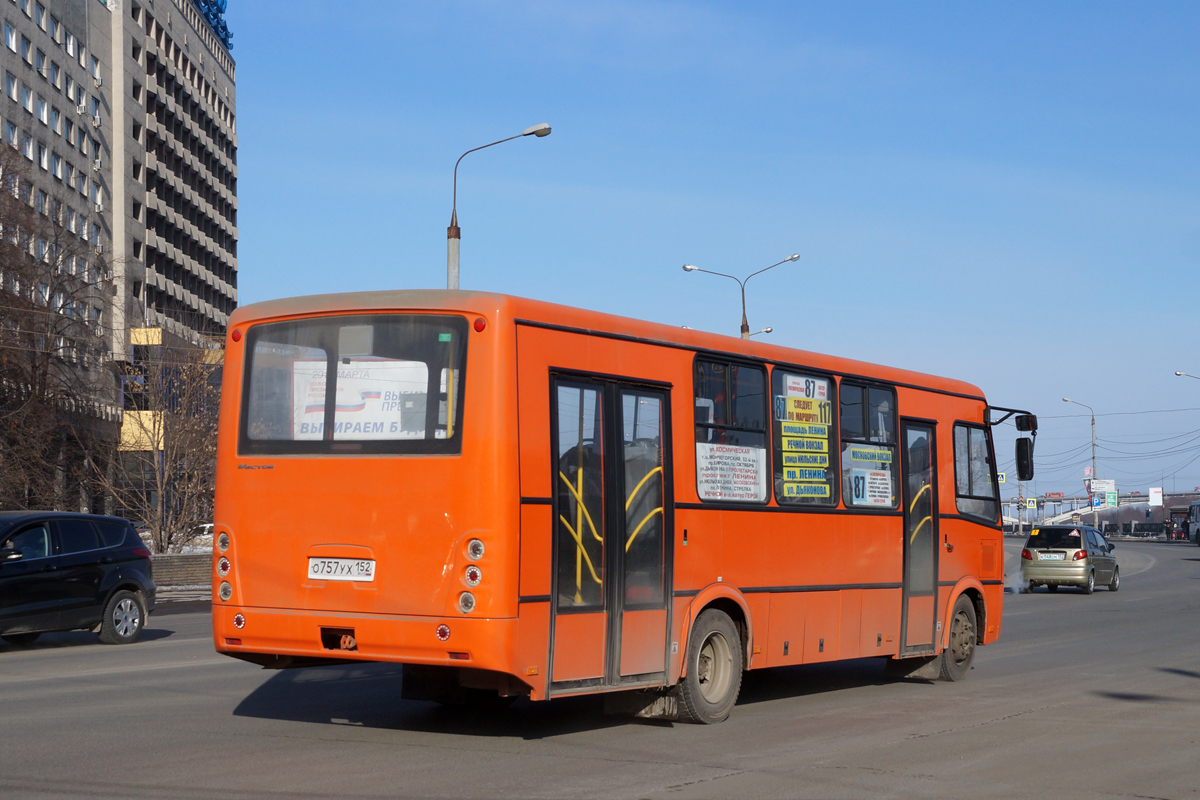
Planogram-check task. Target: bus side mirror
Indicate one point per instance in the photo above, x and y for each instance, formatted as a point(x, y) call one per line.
point(1024, 459)
point(1026, 423)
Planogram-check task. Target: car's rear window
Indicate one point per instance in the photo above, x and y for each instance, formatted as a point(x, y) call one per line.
point(1056, 537)
point(111, 533)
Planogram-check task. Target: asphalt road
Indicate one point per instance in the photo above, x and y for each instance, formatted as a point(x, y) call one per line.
point(1083, 696)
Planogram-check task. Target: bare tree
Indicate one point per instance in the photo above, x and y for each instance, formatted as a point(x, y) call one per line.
point(164, 469)
point(57, 384)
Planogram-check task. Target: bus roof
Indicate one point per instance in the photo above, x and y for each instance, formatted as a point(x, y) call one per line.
point(595, 322)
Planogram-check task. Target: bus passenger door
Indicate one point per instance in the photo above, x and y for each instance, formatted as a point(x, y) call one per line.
point(611, 544)
point(919, 604)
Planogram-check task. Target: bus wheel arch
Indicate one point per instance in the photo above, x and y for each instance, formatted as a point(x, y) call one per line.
point(723, 599)
point(973, 590)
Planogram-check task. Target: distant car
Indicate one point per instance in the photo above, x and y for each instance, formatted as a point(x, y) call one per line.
point(1069, 555)
point(61, 572)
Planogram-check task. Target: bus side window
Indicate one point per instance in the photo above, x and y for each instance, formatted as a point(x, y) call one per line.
point(868, 427)
point(731, 432)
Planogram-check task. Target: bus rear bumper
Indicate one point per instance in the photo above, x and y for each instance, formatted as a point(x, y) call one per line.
point(289, 637)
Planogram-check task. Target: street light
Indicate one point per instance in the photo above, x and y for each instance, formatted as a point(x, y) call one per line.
point(1089, 408)
point(741, 282)
point(1184, 375)
point(764, 330)
point(454, 233)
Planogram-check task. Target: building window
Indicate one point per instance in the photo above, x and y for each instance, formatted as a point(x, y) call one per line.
point(69, 131)
point(731, 432)
point(70, 88)
point(71, 44)
point(56, 165)
point(95, 106)
point(27, 146)
point(27, 7)
point(43, 156)
point(40, 63)
point(43, 111)
point(39, 15)
point(10, 133)
point(27, 98)
point(27, 50)
point(56, 75)
point(10, 86)
point(56, 30)
point(55, 120)
point(868, 425)
point(69, 173)
point(95, 192)
point(41, 201)
point(10, 36)
point(95, 68)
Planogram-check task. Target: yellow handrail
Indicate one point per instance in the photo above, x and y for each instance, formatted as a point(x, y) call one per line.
point(579, 544)
point(917, 529)
point(582, 506)
point(638, 488)
point(638, 529)
point(918, 497)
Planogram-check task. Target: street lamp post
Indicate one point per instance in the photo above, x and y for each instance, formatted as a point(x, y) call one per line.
point(1093, 413)
point(454, 233)
point(1185, 375)
point(741, 282)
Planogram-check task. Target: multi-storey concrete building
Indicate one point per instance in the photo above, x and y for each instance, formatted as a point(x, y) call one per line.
point(127, 111)
point(125, 114)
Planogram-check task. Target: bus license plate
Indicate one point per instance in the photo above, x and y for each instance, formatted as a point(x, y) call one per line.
point(341, 569)
point(1054, 556)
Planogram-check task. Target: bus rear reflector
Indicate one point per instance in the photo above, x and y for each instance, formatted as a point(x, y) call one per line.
point(480, 324)
point(233, 641)
point(236, 335)
point(460, 656)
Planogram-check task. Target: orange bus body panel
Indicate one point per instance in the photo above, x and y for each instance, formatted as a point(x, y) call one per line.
point(807, 586)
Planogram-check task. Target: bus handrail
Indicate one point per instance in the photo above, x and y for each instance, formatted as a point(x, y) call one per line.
point(638, 529)
point(579, 499)
point(582, 549)
point(638, 488)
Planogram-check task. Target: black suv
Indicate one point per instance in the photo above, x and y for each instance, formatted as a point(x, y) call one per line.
point(61, 572)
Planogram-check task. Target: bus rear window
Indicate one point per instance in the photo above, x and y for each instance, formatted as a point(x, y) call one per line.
point(381, 383)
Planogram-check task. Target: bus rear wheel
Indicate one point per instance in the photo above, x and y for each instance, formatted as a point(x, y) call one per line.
point(960, 650)
point(710, 688)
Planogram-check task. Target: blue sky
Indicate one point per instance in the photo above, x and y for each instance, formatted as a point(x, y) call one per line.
point(1005, 195)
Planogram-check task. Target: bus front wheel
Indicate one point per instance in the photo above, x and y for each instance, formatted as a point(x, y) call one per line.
point(960, 650)
point(710, 688)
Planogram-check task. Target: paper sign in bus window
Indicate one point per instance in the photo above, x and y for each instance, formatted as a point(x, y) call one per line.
point(730, 472)
point(376, 398)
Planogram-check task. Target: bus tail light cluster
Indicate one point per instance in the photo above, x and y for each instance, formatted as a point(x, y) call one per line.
point(442, 632)
point(472, 576)
point(224, 567)
point(1080, 555)
point(1028, 556)
point(466, 602)
point(475, 549)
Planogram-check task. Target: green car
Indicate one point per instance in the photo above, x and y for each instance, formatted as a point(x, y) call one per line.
point(1068, 555)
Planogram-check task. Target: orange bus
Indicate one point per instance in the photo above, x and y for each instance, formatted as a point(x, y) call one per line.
point(529, 499)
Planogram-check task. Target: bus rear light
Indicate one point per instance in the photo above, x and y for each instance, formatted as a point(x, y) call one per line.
point(475, 549)
point(466, 602)
point(236, 335)
point(1080, 555)
point(223, 542)
point(442, 632)
point(225, 591)
point(223, 566)
point(1028, 556)
point(239, 621)
point(473, 576)
point(237, 642)
point(460, 656)
point(480, 324)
